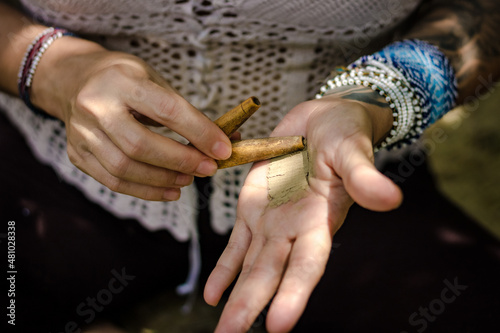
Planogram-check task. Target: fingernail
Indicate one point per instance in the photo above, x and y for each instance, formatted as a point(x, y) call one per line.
point(207, 168)
point(221, 150)
point(172, 194)
point(183, 179)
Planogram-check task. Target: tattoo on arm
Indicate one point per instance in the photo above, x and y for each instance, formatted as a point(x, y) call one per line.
point(361, 94)
point(367, 97)
point(468, 32)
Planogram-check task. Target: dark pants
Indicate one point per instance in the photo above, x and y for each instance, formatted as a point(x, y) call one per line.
point(423, 267)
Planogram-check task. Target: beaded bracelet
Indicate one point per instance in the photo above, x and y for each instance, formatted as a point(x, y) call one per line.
point(30, 62)
point(414, 77)
point(397, 94)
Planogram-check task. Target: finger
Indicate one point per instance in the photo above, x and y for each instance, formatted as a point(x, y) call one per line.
point(91, 166)
point(241, 251)
point(236, 136)
point(174, 112)
point(121, 166)
point(228, 265)
point(256, 289)
point(364, 183)
point(306, 265)
point(253, 252)
point(141, 144)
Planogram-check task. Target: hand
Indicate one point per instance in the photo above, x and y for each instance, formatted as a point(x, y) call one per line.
point(283, 251)
point(104, 98)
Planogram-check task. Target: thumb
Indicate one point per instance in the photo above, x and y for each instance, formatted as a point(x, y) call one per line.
point(365, 184)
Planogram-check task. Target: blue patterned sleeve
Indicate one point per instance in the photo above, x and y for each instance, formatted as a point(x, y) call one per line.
point(429, 73)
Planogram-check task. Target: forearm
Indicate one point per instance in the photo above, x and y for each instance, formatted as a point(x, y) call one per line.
point(468, 33)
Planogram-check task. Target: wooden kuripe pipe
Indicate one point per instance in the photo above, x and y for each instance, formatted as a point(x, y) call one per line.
point(233, 119)
point(247, 151)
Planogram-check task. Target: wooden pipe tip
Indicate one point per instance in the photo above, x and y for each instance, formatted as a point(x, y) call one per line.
point(255, 100)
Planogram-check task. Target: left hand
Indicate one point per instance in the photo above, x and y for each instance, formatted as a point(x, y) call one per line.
point(283, 251)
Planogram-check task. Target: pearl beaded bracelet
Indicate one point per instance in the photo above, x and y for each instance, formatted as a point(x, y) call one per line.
point(400, 98)
point(416, 79)
point(30, 62)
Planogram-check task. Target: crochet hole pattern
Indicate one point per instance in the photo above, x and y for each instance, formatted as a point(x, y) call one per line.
point(216, 54)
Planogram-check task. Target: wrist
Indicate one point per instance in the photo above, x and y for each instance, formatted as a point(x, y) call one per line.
point(382, 120)
point(414, 77)
point(376, 108)
point(54, 81)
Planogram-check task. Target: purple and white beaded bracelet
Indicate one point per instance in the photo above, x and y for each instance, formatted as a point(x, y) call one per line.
point(30, 62)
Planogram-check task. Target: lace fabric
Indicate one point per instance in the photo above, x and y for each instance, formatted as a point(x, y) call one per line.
point(216, 54)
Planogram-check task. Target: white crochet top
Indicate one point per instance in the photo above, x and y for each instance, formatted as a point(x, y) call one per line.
point(216, 53)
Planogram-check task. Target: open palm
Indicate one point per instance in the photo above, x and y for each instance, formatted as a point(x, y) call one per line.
point(282, 251)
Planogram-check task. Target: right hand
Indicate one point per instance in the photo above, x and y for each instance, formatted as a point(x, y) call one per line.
point(104, 99)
